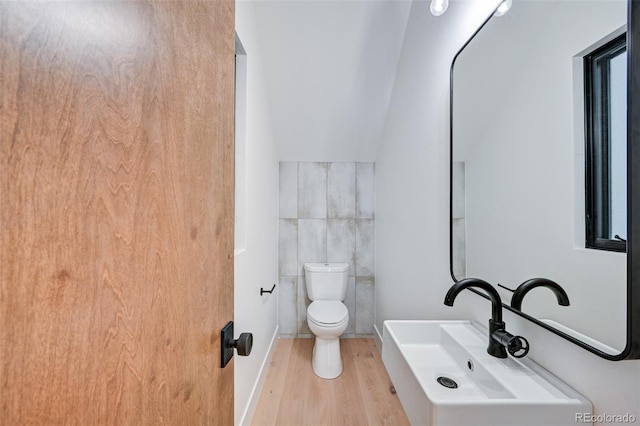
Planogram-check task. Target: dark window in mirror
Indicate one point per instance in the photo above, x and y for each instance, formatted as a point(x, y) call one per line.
point(606, 146)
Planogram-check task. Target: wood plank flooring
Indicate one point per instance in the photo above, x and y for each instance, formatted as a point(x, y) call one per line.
point(292, 395)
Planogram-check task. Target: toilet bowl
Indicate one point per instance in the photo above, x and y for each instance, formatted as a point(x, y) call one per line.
point(327, 320)
point(327, 316)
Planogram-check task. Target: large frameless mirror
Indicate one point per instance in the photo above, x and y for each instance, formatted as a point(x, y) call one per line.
point(541, 191)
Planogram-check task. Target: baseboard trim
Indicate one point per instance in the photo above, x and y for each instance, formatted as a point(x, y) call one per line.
point(250, 409)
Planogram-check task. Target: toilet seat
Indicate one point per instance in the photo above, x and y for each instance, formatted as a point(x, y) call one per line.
point(327, 313)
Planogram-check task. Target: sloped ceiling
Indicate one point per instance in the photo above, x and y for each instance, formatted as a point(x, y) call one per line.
point(329, 71)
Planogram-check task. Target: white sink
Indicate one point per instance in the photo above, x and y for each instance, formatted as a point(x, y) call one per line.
point(490, 391)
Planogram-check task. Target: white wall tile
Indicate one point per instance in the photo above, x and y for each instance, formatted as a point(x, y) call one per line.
point(326, 198)
point(459, 250)
point(458, 189)
point(365, 190)
point(312, 190)
point(341, 242)
point(288, 305)
point(341, 190)
point(312, 242)
point(303, 304)
point(365, 305)
point(288, 198)
point(350, 303)
point(288, 247)
point(365, 247)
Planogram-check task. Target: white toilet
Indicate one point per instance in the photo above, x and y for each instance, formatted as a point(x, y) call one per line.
point(327, 316)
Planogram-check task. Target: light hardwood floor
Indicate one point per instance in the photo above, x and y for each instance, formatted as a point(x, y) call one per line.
point(292, 395)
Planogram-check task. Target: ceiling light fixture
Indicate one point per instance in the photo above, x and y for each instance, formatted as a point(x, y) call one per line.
point(438, 7)
point(503, 8)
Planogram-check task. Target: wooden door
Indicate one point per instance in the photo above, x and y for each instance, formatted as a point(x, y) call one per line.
point(116, 201)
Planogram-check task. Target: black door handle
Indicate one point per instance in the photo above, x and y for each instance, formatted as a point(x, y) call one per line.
point(242, 344)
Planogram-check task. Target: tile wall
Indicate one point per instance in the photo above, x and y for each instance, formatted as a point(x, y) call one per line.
point(458, 221)
point(326, 215)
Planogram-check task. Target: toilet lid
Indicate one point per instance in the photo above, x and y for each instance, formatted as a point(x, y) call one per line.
point(327, 312)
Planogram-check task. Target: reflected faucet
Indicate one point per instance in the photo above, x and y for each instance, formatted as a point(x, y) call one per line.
point(500, 340)
point(525, 287)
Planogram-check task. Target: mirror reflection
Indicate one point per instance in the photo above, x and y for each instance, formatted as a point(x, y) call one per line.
point(539, 164)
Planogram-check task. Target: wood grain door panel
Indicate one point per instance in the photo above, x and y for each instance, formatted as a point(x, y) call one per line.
point(116, 196)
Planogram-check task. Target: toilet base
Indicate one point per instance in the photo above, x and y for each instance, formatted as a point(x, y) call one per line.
point(327, 360)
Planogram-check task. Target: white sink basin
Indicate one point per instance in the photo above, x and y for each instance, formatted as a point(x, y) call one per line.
point(490, 391)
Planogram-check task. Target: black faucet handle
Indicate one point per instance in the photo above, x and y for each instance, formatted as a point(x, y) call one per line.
point(518, 346)
point(506, 288)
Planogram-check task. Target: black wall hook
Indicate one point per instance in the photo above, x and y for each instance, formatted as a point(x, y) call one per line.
point(263, 291)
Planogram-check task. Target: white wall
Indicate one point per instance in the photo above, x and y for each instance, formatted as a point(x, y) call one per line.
point(329, 67)
point(412, 212)
point(412, 181)
point(257, 265)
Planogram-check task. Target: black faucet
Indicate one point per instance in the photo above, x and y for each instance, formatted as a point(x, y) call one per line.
point(500, 340)
point(525, 287)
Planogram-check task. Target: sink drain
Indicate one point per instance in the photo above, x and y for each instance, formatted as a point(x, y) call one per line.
point(447, 382)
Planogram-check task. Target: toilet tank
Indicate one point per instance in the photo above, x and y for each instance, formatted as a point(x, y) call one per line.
point(326, 281)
